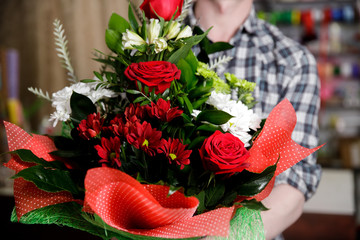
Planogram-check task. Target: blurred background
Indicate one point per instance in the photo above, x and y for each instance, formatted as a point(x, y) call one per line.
point(330, 29)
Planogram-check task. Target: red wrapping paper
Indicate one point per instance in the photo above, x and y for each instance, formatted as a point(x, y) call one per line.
point(125, 204)
point(274, 143)
point(27, 196)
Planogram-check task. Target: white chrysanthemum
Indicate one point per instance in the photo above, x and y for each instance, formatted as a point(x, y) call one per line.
point(244, 119)
point(219, 100)
point(57, 116)
point(130, 39)
point(95, 94)
point(61, 99)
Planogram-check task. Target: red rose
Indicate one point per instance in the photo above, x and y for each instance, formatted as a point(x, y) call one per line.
point(163, 8)
point(224, 153)
point(154, 74)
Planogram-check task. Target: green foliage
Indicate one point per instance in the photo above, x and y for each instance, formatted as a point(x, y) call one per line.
point(48, 176)
point(216, 117)
point(50, 180)
point(206, 47)
point(81, 107)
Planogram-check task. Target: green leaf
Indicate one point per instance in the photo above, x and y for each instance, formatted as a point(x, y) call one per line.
point(118, 23)
point(187, 74)
point(98, 75)
point(66, 130)
point(229, 199)
point(50, 180)
point(132, 91)
point(88, 80)
point(198, 103)
point(253, 204)
point(256, 182)
point(139, 99)
point(218, 47)
point(201, 198)
point(208, 128)
point(213, 194)
point(27, 156)
point(81, 107)
point(200, 91)
point(209, 47)
point(188, 104)
point(197, 141)
point(113, 40)
point(192, 61)
point(216, 117)
point(132, 19)
point(184, 50)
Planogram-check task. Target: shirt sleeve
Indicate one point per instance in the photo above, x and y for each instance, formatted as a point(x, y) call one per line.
point(303, 91)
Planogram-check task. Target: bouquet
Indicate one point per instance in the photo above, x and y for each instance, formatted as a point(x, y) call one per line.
point(153, 146)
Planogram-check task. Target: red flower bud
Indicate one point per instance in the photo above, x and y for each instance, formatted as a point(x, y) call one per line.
point(163, 8)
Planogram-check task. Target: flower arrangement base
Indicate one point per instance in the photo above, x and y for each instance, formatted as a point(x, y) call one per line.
point(245, 225)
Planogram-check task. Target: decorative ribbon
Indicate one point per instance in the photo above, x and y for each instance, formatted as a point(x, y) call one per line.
point(27, 196)
point(275, 144)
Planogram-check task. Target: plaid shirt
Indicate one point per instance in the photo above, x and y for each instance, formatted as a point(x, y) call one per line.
point(281, 68)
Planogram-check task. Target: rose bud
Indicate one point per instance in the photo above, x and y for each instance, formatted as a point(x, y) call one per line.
point(163, 8)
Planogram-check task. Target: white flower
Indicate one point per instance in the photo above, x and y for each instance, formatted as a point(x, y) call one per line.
point(174, 30)
point(61, 99)
point(130, 39)
point(59, 116)
point(160, 45)
point(153, 30)
point(244, 119)
point(195, 113)
point(219, 100)
point(186, 32)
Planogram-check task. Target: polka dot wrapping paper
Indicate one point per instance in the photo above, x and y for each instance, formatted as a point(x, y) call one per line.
point(126, 205)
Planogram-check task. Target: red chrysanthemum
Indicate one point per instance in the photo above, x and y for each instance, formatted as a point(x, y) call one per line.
point(163, 111)
point(134, 110)
point(91, 126)
point(174, 150)
point(143, 136)
point(109, 151)
point(116, 126)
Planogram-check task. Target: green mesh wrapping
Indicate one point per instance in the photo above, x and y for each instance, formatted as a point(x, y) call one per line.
point(245, 225)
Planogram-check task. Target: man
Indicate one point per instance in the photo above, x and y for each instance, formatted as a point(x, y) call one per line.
point(281, 69)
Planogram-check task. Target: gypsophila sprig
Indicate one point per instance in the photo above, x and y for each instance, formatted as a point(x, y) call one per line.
point(63, 53)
